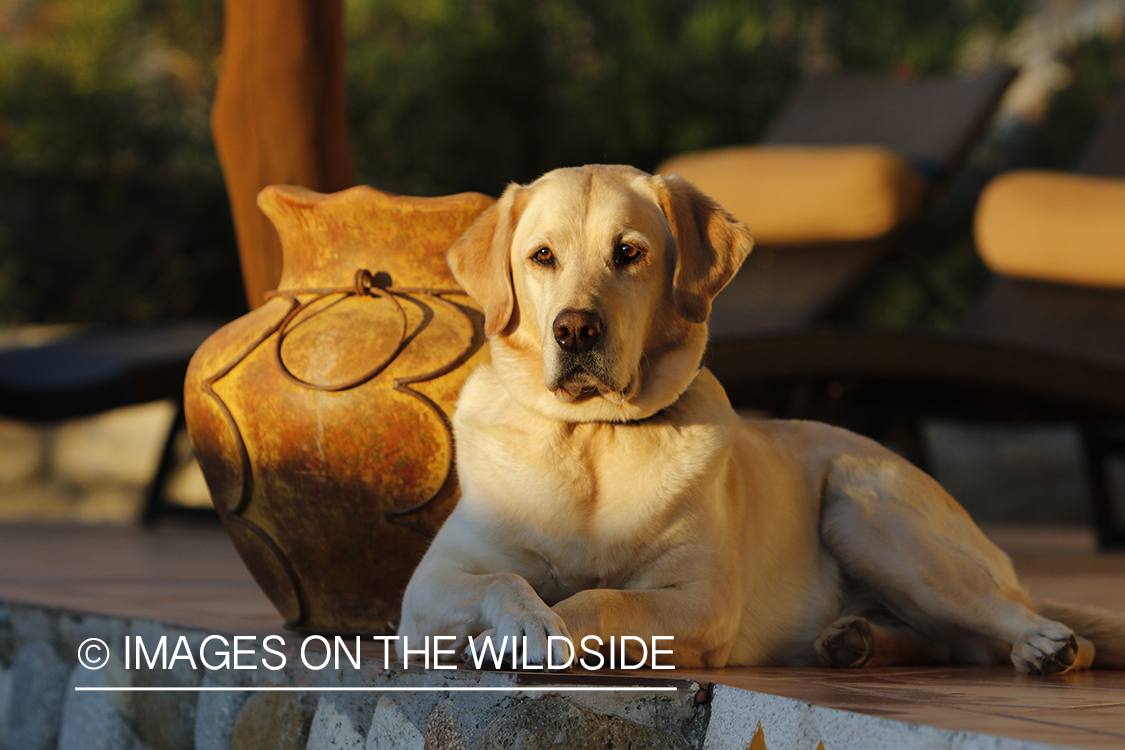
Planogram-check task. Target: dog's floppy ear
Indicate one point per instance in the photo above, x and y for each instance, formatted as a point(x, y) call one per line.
point(710, 245)
point(479, 259)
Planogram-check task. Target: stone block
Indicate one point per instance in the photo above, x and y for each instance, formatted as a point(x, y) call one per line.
point(552, 722)
point(215, 714)
point(35, 710)
point(273, 720)
point(73, 629)
point(21, 451)
point(38, 500)
point(391, 729)
point(89, 722)
point(31, 624)
point(341, 722)
point(117, 676)
point(112, 504)
point(5, 701)
point(442, 732)
point(164, 720)
point(120, 446)
point(677, 712)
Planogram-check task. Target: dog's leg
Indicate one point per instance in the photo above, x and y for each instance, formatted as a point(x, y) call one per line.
point(702, 627)
point(857, 642)
point(1051, 649)
point(894, 529)
point(447, 596)
point(1104, 629)
point(503, 606)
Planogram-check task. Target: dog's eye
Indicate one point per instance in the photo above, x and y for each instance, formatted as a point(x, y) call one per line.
point(626, 254)
point(544, 257)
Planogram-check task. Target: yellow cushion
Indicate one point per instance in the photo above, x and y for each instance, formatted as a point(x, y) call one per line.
point(1054, 226)
point(806, 194)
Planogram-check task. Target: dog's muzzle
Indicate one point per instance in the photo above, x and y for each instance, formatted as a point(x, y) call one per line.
point(577, 330)
point(582, 368)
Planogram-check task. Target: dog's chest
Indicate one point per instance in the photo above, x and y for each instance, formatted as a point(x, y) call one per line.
point(587, 501)
point(581, 505)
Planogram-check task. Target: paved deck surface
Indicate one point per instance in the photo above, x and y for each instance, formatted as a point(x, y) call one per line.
point(191, 576)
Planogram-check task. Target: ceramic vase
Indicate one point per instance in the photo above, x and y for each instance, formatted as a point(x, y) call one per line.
point(321, 419)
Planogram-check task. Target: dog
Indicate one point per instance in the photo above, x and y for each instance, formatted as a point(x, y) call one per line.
point(609, 489)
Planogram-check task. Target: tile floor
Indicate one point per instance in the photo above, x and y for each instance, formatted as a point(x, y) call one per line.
point(192, 576)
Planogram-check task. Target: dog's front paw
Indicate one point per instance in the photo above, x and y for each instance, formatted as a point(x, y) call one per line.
point(848, 642)
point(522, 640)
point(533, 634)
point(1049, 649)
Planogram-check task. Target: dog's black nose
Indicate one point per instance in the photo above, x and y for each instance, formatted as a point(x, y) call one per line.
point(577, 330)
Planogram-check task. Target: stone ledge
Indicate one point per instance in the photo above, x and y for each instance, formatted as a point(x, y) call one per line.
point(40, 708)
point(39, 671)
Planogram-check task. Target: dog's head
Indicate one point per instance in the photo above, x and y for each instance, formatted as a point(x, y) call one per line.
point(596, 283)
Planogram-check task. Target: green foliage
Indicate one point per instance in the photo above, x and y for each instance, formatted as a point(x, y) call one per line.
point(449, 95)
point(111, 201)
point(108, 87)
point(112, 206)
point(1097, 72)
point(911, 38)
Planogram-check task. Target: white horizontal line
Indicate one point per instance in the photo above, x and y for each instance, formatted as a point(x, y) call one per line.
point(428, 689)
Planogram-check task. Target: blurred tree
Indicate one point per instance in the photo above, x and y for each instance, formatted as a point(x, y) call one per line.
point(450, 95)
point(1097, 73)
point(111, 201)
point(910, 38)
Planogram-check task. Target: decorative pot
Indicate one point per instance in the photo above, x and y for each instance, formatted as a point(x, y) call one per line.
point(321, 419)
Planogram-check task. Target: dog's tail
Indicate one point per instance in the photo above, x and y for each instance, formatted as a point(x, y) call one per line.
point(1105, 629)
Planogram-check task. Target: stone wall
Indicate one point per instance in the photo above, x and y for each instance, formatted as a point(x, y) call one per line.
point(337, 709)
point(94, 469)
point(40, 709)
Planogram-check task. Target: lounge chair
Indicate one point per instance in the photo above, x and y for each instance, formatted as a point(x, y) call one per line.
point(847, 165)
point(91, 372)
point(1045, 342)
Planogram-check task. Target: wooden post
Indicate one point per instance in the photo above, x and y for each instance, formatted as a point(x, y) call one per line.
point(279, 117)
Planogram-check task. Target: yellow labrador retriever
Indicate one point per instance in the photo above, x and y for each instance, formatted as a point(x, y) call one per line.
point(609, 489)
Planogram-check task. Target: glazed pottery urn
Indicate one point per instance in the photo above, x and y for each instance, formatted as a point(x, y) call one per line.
point(321, 419)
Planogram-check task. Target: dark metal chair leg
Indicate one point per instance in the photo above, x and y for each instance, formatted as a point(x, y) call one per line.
point(156, 498)
point(1099, 447)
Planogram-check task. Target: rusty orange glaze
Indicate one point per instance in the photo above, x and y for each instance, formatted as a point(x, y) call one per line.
point(321, 419)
